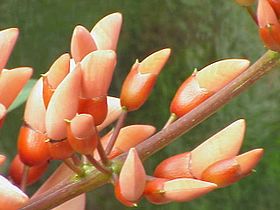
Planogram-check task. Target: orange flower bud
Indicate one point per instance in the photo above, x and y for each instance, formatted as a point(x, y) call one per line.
point(229, 171)
point(96, 107)
point(249, 160)
point(177, 166)
point(161, 191)
point(63, 105)
point(32, 148)
point(58, 70)
point(269, 26)
point(223, 172)
point(132, 177)
point(204, 83)
point(154, 192)
point(82, 134)
point(245, 3)
point(185, 189)
point(12, 82)
point(35, 102)
point(11, 197)
point(141, 79)
point(54, 76)
point(97, 71)
point(223, 145)
point(8, 38)
point(106, 32)
point(276, 6)
point(120, 197)
point(60, 149)
point(34, 172)
point(82, 43)
point(188, 96)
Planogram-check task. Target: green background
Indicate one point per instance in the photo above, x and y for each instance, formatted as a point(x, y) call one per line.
point(199, 32)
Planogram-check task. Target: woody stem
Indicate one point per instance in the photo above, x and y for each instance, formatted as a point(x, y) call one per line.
point(65, 191)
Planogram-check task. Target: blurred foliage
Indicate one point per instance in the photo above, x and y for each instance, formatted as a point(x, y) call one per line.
point(199, 32)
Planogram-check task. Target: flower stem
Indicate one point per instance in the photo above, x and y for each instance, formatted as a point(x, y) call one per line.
point(24, 178)
point(252, 14)
point(116, 131)
point(65, 191)
point(97, 165)
point(73, 167)
point(103, 157)
point(76, 160)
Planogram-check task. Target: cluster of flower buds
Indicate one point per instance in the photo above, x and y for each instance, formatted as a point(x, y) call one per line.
point(72, 105)
point(184, 177)
point(69, 106)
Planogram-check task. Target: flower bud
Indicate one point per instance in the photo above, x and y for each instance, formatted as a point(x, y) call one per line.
point(57, 72)
point(106, 32)
point(63, 105)
point(204, 83)
point(82, 43)
point(8, 38)
point(82, 134)
point(162, 191)
point(35, 102)
point(11, 82)
point(177, 166)
point(32, 148)
point(276, 6)
point(132, 177)
point(269, 26)
point(141, 79)
point(229, 171)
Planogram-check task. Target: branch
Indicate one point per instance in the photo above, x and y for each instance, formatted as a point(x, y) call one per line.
point(71, 188)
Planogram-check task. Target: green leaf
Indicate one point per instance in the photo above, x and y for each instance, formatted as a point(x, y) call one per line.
point(22, 97)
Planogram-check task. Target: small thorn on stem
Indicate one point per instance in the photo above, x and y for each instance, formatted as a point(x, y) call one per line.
point(171, 119)
point(97, 165)
point(73, 167)
point(24, 178)
point(116, 131)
